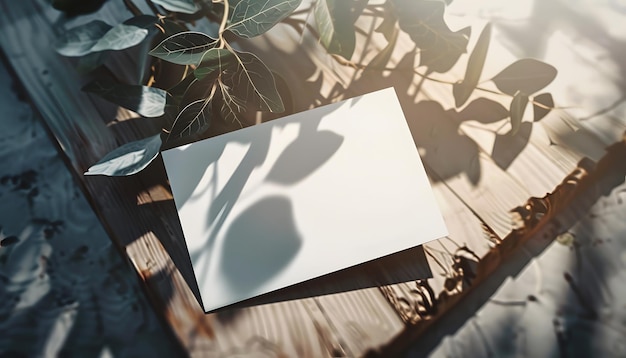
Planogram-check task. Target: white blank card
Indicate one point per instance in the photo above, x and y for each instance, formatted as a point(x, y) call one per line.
point(282, 202)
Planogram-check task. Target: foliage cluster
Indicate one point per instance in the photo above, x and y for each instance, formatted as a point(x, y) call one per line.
point(219, 81)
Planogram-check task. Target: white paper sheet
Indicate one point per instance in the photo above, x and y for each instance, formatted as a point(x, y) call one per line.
point(286, 201)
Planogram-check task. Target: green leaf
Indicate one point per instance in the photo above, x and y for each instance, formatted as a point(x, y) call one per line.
point(335, 28)
point(440, 47)
point(184, 48)
point(518, 106)
point(146, 101)
point(194, 118)
point(178, 91)
point(183, 6)
point(128, 159)
point(250, 18)
point(463, 89)
point(147, 22)
point(252, 83)
point(539, 112)
point(120, 37)
point(77, 7)
point(79, 40)
point(526, 75)
point(143, 21)
point(215, 59)
point(171, 27)
point(231, 107)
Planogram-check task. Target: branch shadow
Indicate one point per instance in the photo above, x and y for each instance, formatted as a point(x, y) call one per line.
point(608, 174)
point(583, 24)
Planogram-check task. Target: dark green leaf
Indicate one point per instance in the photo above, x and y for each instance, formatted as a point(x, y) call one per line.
point(184, 48)
point(462, 90)
point(183, 6)
point(545, 99)
point(77, 7)
point(79, 40)
point(128, 159)
point(8, 241)
point(518, 106)
point(527, 75)
point(146, 101)
point(120, 37)
point(178, 91)
point(250, 18)
point(336, 30)
point(147, 22)
point(143, 21)
point(232, 107)
point(171, 27)
point(194, 118)
point(440, 47)
point(250, 82)
point(215, 59)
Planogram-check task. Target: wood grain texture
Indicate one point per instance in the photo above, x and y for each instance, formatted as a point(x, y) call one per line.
point(476, 186)
point(140, 216)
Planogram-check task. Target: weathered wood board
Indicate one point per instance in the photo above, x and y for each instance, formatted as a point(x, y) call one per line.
point(476, 186)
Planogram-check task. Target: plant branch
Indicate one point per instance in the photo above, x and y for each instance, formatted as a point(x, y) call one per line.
point(132, 8)
point(362, 67)
point(223, 24)
point(295, 23)
point(301, 11)
point(154, 9)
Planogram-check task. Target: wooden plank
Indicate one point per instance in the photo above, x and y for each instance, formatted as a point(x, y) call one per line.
point(548, 217)
point(139, 214)
point(463, 162)
point(465, 230)
point(523, 166)
point(363, 319)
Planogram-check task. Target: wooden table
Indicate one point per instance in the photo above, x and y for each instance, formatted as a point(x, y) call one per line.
point(372, 308)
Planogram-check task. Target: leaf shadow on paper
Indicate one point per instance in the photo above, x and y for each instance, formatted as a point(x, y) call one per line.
point(258, 241)
point(317, 146)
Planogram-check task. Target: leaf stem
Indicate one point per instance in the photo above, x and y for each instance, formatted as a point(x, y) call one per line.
point(223, 24)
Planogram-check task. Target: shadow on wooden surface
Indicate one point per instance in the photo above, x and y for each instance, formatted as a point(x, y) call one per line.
point(608, 174)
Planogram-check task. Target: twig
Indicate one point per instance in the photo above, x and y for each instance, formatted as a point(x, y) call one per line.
point(301, 11)
point(223, 24)
point(154, 8)
point(132, 8)
point(295, 23)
